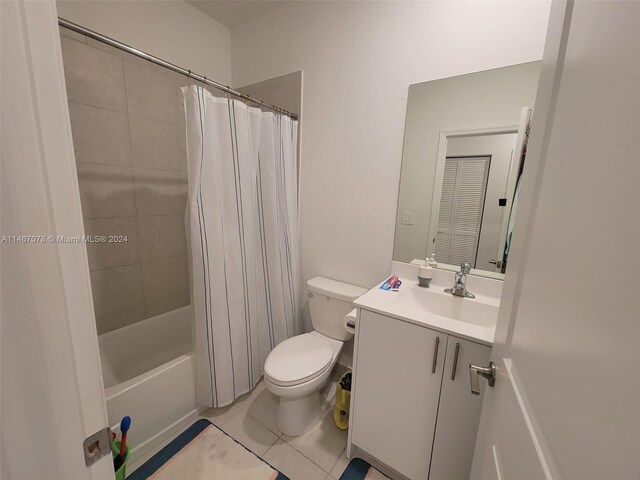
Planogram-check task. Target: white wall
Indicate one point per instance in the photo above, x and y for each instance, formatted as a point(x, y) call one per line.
point(481, 100)
point(358, 60)
point(172, 30)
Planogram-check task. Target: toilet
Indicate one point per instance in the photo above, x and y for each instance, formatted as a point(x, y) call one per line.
point(298, 368)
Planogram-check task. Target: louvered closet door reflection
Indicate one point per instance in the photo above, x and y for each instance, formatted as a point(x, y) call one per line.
point(461, 205)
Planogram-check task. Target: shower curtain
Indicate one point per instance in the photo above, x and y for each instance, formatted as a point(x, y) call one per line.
point(242, 224)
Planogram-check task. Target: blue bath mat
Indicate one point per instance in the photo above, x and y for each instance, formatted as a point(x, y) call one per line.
point(203, 451)
point(358, 469)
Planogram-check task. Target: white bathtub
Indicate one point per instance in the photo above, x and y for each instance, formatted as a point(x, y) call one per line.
point(148, 374)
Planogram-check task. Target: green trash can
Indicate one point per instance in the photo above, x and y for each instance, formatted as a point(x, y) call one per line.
point(343, 401)
point(121, 472)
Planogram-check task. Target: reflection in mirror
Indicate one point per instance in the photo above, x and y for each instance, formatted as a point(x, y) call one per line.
point(464, 146)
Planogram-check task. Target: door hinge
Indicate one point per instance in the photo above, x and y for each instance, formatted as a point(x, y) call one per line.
point(97, 446)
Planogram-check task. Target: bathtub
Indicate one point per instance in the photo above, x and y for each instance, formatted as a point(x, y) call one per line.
point(148, 374)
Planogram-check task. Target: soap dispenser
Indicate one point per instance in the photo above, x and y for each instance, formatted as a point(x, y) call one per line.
point(425, 274)
point(431, 261)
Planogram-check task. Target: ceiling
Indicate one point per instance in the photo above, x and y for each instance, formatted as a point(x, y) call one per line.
point(233, 13)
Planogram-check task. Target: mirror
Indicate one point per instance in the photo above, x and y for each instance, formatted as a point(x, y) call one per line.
point(462, 162)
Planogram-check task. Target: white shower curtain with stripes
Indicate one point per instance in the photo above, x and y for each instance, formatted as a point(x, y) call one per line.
point(242, 224)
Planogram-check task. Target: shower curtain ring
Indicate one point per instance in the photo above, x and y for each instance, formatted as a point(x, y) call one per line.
point(204, 82)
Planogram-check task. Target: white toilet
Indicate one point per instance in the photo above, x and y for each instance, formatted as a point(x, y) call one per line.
point(298, 368)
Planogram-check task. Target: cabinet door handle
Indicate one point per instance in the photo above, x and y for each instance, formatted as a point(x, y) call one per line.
point(455, 362)
point(435, 356)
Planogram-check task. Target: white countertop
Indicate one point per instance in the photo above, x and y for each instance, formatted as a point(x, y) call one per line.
point(487, 293)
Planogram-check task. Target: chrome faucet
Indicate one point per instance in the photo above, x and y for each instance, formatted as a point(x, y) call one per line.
point(459, 288)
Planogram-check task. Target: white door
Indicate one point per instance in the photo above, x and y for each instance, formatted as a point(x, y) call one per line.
point(52, 396)
point(565, 403)
point(464, 187)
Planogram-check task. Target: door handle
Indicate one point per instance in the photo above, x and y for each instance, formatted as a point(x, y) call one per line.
point(455, 362)
point(435, 355)
point(487, 372)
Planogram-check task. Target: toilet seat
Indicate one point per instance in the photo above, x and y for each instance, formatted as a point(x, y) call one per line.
point(298, 360)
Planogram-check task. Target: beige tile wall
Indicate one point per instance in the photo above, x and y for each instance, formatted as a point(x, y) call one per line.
point(128, 133)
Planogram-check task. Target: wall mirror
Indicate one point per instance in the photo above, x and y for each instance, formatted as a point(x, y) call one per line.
point(462, 162)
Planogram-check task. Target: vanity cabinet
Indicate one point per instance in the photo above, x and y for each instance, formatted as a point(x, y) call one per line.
point(394, 414)
point(458, 412)
point(407, 411)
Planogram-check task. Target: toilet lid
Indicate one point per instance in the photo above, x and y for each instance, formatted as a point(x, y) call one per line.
point(298, 359)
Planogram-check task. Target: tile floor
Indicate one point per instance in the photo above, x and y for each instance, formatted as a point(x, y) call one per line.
point(319, 454)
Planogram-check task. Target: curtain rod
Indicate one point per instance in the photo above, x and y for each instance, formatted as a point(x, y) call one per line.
point(163, 63)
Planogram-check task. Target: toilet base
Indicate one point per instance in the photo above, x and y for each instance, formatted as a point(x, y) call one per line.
point(297, 415)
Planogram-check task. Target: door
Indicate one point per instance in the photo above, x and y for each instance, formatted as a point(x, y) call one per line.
point(399, 371)
point(458, 413)
point(499, 145)
point(464, 185)
point(565, 402)
point(52, 396)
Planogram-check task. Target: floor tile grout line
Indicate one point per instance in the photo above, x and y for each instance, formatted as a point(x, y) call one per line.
point(338, 459)
point(312, 461)
point(263, 424)
point(228, 418)
point(281, 437)
point(240, 442)
point(301, 453)
point(270, 447)
point(305, 456)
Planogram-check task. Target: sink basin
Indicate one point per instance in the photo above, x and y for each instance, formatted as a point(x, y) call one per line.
point(471, 311)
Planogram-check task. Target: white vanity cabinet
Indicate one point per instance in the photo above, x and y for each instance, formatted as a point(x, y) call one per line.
point(407, 412)
point(394, 414)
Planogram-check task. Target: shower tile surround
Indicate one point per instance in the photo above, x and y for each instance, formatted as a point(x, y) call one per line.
point(128, 134)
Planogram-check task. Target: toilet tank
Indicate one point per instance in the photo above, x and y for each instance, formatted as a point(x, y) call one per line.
point(329, 302)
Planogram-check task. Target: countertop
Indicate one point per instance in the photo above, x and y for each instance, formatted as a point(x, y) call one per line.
point(382, 301)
